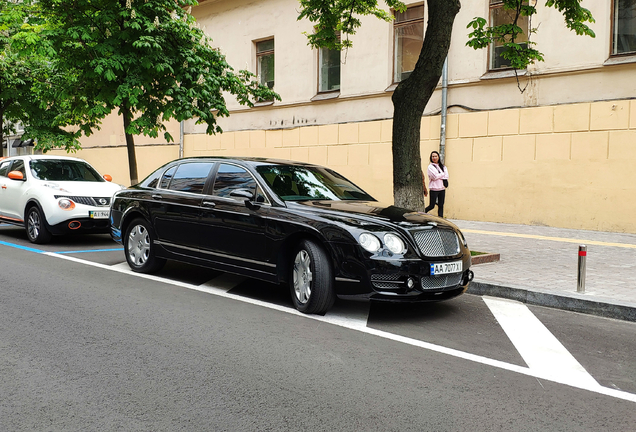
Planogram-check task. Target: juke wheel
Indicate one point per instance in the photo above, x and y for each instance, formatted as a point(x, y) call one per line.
point(35, 225)
point(311, 279)
point(139, 248)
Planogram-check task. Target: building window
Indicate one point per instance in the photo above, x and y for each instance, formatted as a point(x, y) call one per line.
point(265, 62)
point(500, 16)
point(624, 37)
point(409, 37)
point(328, 70)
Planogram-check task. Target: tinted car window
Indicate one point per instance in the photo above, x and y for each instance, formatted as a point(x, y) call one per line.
point(64, 170)
point(4, 168)
point(298, 183)
point(18, 165)
point(191, 177)
point(230, 177)
point(152, 181)
point(167, 176)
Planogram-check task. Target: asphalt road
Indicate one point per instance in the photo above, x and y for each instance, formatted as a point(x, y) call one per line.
point(87, 345)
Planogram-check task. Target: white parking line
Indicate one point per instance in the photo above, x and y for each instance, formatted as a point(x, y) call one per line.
point(539, 348)
point(360, 325)
point(225, 282)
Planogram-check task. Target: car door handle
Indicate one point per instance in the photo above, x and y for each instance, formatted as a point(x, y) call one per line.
point(157, 197)
point(208, 204)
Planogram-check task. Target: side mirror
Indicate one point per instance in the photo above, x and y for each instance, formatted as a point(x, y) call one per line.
point(242, 193)
point(16, 175)
point(107, 177)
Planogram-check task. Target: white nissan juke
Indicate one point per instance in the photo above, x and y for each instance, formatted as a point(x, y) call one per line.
point(54, 195)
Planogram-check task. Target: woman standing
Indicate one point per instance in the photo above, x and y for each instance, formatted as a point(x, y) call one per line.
point(437, 176)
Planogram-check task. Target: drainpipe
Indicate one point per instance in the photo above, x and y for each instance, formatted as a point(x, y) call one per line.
point(442, 132)
point(181, 127)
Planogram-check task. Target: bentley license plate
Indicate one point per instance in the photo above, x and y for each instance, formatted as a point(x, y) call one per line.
point(99, 214)
point(445, 268)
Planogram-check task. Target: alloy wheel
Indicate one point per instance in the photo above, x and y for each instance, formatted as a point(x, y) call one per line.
point(33, 225)
point(139, 245)
point(302, 276)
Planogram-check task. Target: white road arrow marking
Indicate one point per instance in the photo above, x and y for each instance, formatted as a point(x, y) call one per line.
point(539, 348)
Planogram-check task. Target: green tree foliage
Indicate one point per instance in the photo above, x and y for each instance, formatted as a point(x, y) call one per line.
point(412, 94)
point(149, 60)
point(27, 80)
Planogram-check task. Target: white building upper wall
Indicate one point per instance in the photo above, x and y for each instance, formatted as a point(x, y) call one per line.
point(573, 70)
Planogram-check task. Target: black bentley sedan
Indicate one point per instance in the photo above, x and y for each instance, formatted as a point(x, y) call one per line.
point(289, 222)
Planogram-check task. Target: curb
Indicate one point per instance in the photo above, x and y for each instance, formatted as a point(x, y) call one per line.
point(484, 258)
point(604, 307)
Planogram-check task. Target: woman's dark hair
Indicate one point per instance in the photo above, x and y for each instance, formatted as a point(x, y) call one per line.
point(439, 159)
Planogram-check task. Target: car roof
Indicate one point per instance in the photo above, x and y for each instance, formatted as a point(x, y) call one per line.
point(253, 161)
point(45, 157)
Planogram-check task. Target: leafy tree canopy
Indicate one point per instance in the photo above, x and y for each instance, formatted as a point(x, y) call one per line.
point(28, 78)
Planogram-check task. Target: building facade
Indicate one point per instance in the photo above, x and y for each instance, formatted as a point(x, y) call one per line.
point(562, 152)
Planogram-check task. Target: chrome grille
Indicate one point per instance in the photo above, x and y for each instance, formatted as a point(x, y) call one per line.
point(445, 281)
point(91, 201)
point(437, 242)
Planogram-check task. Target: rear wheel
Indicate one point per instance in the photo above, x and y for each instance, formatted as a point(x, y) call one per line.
point(139, 248)
point(311, 279)
point(35, 225)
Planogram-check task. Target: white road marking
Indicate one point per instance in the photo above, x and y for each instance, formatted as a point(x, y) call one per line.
point(225, 282)
point(359, 326)
point(539, 348)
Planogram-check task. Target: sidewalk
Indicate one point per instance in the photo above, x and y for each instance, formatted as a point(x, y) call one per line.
point(539, 265)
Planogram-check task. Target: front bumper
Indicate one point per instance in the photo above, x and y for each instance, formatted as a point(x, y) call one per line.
point(399, 279)
point(82, 225)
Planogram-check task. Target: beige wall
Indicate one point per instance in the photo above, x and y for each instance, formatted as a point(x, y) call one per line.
point(564, 165)
point(106, 150)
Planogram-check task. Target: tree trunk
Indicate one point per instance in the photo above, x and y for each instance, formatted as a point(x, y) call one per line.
point(130, 145)
point(2, 133)
point(409, 100)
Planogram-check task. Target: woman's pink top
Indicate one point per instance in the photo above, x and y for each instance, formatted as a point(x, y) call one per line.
point(435, 177)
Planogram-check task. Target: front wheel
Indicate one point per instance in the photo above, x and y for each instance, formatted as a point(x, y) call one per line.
point(35, 225)
point(311, 279)
point(139, 249)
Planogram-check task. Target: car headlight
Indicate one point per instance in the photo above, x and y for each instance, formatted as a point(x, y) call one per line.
point(66, 204)
point(369, 242)
point(394, 243)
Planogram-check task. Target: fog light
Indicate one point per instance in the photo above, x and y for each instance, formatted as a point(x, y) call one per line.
point(410, 283)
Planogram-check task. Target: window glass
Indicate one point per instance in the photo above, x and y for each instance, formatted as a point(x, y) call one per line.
point(191, 177)
point(409, 37)
point(64, 170)
point(299, 183)
point(624, 38)
point(499, 16)
point(152, 181)
point(231, 177)
point(18, 165)
point(167, 176)
point(4, 168)
point(265, 62)
point(328, 69)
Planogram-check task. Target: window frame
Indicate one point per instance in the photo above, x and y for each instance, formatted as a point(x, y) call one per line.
point(319, 74)
point(613, 28)
point(258, 191)
point(263, 54)
point(497, 4)
point(405, 23)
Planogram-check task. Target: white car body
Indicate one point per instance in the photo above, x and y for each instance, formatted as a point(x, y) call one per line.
point(90, 207)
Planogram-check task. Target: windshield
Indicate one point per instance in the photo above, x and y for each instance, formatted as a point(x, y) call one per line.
point(64, 170)
point(298, 183)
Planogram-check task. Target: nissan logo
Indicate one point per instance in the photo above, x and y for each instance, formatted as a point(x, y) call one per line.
point(102, 201)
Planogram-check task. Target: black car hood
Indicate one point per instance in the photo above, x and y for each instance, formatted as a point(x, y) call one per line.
point(371, 211)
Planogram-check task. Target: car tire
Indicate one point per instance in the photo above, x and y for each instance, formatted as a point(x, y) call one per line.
point(139, 247)
point(311, 279)
point(35, 225)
